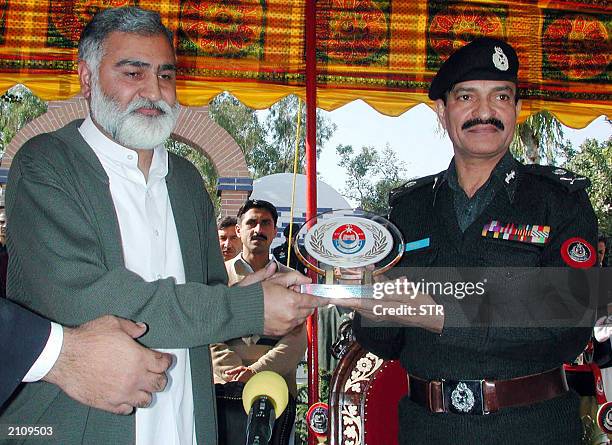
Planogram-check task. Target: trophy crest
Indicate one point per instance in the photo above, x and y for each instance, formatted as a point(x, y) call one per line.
point(344, 239)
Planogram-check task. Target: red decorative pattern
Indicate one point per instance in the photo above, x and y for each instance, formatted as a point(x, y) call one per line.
point(71, 16)
point(358, 29)
point(3, 5)
point(459, 25)
point(223, 28)
point(579, 47)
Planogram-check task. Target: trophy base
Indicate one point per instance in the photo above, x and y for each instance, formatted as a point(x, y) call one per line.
point(338, 290)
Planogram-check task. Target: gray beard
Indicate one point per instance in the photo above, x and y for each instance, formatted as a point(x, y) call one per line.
point(131, 129)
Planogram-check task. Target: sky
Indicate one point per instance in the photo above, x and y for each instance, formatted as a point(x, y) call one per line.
point(414, 135)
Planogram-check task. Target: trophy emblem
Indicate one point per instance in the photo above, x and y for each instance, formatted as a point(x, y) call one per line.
point(366, 243)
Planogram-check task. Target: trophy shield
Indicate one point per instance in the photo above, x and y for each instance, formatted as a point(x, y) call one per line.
point(347, 246)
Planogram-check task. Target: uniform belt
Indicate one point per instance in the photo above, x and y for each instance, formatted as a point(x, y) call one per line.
point(486, 396)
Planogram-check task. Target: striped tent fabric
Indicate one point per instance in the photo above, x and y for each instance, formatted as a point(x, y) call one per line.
point(382, 51)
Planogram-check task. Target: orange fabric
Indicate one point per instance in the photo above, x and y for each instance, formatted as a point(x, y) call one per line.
point(382, 51)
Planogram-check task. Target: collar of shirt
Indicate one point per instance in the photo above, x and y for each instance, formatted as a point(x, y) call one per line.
point(243, 268)
point(123, 161)
point(151, 249)
point(505, 174)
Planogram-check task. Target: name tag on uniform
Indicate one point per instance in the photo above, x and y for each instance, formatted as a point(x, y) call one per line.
point(526, 233)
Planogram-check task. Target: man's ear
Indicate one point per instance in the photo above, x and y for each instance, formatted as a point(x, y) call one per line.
point(85, 78)
point(518, 106)
point(441, 112)
point(238, 231)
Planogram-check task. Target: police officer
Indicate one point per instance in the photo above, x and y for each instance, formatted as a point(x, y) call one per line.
point(487, 384)
point(281, 252)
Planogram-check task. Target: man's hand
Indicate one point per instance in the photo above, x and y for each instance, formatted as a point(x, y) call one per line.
point(101, 365)
point(292, 279)
point(258, 276)
point(240, 374)
point(393, 303)
point(284, 309)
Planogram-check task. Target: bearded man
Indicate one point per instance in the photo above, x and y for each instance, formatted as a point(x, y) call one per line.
point(98, 209)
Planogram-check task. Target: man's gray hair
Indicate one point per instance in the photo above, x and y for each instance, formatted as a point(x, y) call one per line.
point(129, 19)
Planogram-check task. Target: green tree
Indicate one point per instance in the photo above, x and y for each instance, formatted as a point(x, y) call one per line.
point(280, 126)
point(594, 160)
point(370, 176)
point(268, 139)
point(538, 140)
point(202, 163)
point(18, 106)
point(241, 122)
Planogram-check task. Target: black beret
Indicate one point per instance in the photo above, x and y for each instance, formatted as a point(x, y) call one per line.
point(484, 58)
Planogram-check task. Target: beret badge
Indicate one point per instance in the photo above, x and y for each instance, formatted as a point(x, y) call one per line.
point(500, 60)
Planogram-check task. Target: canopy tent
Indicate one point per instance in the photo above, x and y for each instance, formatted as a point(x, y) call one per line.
point(382, 51)
point(331, 52)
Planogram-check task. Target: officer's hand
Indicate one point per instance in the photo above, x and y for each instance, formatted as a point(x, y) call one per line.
point(390, 303)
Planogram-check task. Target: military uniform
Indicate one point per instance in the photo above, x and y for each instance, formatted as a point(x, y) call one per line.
point(430, 216)
point(282, 251)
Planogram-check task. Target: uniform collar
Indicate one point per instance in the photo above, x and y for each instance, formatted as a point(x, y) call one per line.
point(505, 175)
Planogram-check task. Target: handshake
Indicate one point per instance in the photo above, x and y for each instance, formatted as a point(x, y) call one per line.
point(289, 299)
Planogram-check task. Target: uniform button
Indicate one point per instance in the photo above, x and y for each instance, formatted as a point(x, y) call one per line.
point(130, 157)
point(156, 232)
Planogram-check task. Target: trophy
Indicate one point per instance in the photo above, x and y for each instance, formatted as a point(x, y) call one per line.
point(347, 243)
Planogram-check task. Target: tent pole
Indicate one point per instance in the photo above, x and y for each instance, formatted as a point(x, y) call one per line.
point(311, 190)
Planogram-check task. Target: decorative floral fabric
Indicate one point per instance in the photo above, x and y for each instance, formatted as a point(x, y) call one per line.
point(382, 51)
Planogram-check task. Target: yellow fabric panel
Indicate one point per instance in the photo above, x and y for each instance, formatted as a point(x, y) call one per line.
point(382, 51)
point(261, 96)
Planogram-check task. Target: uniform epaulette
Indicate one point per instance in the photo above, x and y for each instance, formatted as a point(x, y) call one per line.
point(570, 181)
point(413, 184)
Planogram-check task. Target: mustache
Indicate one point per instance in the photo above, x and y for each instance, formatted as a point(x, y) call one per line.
point(160, 105)
point(491, 121)
point(259, 237)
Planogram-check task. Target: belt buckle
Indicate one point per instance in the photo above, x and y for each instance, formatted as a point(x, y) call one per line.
point(463, 396)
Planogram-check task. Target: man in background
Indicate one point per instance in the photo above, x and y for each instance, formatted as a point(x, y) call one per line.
point(228, 240)
point(282, 252)
point(240, 358)
point(236, 360)
point(601, 251)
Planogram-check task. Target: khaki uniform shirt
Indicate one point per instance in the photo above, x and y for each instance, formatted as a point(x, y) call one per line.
point(259, 353)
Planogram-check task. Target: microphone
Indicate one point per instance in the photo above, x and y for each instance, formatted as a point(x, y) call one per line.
point(264, 398)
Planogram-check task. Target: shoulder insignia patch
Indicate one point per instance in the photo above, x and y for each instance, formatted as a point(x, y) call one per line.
point(413, 184)
point(565, 178)
point(578, 253)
